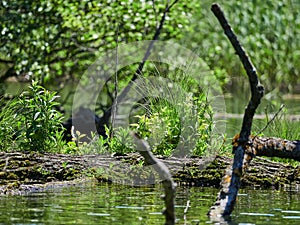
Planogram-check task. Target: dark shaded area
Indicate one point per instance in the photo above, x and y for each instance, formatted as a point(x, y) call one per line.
point(87, 119)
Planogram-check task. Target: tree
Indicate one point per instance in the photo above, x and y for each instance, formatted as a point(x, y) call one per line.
point(46, 40)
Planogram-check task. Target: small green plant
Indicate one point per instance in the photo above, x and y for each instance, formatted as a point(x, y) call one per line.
point(7, 124)
point(38, 123)
point(99, 145)
point(121, 142)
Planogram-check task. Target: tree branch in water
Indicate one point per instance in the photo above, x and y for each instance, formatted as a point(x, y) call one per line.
point(232, 180)
point(144, 149)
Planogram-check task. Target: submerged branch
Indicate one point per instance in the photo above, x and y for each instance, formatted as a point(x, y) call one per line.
point(164, 173)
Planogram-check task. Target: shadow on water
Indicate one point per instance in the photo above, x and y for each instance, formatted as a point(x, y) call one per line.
point(116, 204)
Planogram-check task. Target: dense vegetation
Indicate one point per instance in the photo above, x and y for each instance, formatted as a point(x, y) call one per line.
point(52, 42)
point(45, 40)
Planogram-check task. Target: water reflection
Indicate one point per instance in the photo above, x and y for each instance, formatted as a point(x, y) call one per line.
point(111, 204)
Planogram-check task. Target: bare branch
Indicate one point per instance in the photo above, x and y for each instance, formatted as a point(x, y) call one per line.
point(144, 149)
point(138, 72)
point(232, 180)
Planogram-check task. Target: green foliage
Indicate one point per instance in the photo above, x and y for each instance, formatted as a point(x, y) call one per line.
point(120, 142)
point(161, 128)
point(7, 124)
point(38, 124)
point(49, 39)
point(183, 126)
point(268, 30)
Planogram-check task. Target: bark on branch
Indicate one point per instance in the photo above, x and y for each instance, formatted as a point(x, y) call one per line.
point(227, 196)
point(275, 147)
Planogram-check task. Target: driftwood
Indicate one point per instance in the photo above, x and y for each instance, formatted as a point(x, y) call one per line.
point(244, 146)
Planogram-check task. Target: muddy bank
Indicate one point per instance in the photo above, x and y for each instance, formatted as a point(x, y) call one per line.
point(26, 172)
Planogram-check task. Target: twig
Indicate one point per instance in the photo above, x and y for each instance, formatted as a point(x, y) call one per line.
point(115, 102)
point(187, 207)
point(227, 196)
point(271, 120)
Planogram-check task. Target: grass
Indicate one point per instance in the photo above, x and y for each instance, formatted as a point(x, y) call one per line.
point(30, 122)
point(284, 128)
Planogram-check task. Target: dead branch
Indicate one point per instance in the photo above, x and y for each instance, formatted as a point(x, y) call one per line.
point(232, 180)
point(144, 149)
point(275, 147)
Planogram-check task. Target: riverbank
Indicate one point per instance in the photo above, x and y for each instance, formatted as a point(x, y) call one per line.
point(22, 173)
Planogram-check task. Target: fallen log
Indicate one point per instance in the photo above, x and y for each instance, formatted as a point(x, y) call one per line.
point(21, 173)
point(274, 147)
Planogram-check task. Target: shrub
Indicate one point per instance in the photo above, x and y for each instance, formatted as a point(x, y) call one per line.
point(38, 123)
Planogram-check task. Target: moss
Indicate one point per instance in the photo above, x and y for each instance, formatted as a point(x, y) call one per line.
point(13, 185)
point(2, 175)
point(12, 176)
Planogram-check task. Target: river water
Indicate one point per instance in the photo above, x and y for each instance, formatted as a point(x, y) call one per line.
point(116, 204)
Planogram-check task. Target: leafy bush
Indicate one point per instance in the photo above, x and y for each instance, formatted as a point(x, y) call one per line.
point(49, 39)
point(37, 125)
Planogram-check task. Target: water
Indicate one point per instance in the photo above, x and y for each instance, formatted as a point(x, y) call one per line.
point(116, 204)
point(235, 106)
